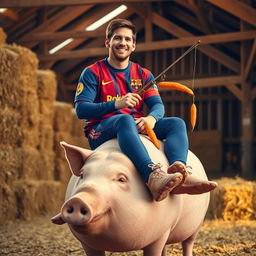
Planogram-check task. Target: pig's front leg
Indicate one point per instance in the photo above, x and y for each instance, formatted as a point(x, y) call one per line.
point(158, 247)
point(91, 252)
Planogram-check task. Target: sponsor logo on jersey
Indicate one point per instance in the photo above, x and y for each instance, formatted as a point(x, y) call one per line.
point(79, 89)
point(105, 83)
point(109, 97)
point(136, 84)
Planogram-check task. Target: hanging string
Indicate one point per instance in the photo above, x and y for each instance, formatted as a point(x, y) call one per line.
point(194, 72)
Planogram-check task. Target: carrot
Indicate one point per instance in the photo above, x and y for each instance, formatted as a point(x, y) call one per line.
point(176, 86)
point(193, 115)
point(152, 135)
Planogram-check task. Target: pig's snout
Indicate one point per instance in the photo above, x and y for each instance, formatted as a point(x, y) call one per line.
point(76, 212)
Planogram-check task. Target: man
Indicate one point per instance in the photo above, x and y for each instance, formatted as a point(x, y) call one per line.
point(106, 97)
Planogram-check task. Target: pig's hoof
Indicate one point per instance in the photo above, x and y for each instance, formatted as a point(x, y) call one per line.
point(195, 189)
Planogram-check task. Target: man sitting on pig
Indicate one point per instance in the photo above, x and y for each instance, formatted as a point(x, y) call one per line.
point(106, 97)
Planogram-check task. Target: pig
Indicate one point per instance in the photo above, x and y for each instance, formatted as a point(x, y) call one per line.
point(108, 207)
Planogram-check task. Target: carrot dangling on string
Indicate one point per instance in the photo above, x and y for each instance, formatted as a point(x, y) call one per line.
point(152, 136)
point(183, 88)
point(193, 114)
point(176, 86)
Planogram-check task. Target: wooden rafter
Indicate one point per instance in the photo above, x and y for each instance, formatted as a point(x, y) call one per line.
point(210, 81)
point(235, 90)
point(238, 9)
point(249, 63)
point(40, 3)
point(206, 49)
point(57, 21)
point(156, 45)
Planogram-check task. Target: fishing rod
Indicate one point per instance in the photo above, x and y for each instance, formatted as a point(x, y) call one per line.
point(149, 84)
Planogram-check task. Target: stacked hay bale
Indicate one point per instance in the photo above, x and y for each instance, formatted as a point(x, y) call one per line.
point(2, 36)
point(26, 168)
point(234, 199)
point(67, 127)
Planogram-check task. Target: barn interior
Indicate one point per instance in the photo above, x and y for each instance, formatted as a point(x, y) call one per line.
point(44, 47)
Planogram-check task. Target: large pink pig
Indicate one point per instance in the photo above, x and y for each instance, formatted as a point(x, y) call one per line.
point(109, 208)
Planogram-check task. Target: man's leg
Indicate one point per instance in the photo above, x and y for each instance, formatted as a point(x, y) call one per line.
point(173, 130)
point(124, 128)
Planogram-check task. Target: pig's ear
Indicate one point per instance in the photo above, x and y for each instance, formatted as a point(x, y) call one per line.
point(57, 219)
point(76, 157)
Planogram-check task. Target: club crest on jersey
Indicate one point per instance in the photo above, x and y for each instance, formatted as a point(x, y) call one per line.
point(136, 84)
point(79, 89)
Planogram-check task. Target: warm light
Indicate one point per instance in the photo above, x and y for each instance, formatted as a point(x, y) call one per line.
point(93, 26)
point(61, 45)
point(106, 18)
point(2, 10)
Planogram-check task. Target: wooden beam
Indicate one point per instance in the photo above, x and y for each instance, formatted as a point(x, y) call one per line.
point(61, 35)
point(238, 9)
point(254, 93)
point(235, 90)
point(209, 81)
point(250, 63)
point(40, 3)
point(156, 45)
point(57, 21)
point(206, 49)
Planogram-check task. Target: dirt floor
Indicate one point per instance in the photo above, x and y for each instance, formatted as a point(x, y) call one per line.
point(41, 238)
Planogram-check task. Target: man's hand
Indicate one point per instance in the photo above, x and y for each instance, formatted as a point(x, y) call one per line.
point(129, 100)
point(140, 122)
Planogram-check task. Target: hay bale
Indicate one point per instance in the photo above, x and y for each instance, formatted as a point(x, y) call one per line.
point(46, 111)
point(8, 204)
point(80, 141)
point(47, 85)
point(10, 164)
point(2, 36)
point(11, 132)
point(38, 198)
point(62, 117)
point(58, 137)
point(18, 67)
point(62, 172)
point(234, 199)
point(77, 125)
point(46, 137)
point(35, 165)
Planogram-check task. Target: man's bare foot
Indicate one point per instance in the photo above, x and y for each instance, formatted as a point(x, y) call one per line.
point(190, 184)
point(195, 188)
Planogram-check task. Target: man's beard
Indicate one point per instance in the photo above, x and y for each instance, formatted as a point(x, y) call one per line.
point(121, 59)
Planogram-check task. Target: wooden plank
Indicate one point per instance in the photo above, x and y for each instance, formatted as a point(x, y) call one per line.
point(151, 46)
point(39, 3)
point(209, 81)
point(250, 63)
point(206, 49)
point(235, 90)
point(57, 21)
point(61, 35)
point(238, 9)
point(254, 93)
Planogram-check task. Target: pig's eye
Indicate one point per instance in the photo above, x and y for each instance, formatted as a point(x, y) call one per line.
point(81, 176)
point(122, 179)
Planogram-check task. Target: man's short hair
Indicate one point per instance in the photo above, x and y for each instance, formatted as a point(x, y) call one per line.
point(119, 23)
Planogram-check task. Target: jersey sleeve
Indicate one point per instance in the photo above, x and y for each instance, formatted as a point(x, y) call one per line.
point(86, 93)
point(87, 86)
point(152, 98)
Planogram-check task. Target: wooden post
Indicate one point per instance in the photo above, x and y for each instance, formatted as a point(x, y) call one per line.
point(148, 36)
point(247, 115)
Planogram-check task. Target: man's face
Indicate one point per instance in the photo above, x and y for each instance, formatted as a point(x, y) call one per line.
point(121, 44)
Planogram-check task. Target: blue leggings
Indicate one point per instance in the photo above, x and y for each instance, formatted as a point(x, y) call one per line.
point(123, 127)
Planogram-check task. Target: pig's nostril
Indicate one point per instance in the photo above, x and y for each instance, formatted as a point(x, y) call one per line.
point(70, 210)
point(83, 211)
